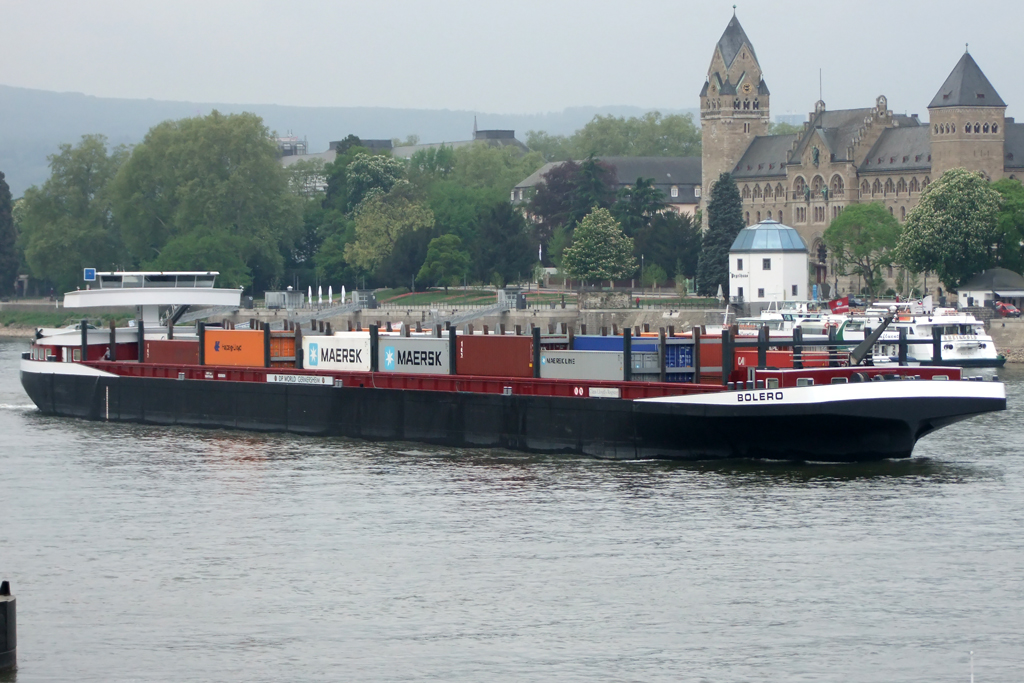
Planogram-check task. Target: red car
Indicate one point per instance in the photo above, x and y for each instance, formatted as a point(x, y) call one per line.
point(1007, 310)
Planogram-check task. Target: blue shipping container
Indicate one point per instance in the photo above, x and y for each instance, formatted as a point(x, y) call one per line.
point(678, 356)
point(593, 343)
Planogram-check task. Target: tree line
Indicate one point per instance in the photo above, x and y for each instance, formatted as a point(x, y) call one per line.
point(209, 193)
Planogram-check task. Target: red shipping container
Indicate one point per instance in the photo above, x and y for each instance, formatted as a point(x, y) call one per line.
point(494, 355)
point(172, 351)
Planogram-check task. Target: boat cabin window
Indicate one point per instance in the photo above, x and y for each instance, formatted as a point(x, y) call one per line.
point(804, 381)
point(839, 380)
point(77, 355)
point(133, 280)
point(771, 383)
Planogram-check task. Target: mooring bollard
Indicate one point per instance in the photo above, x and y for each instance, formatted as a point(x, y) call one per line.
point(8, 628)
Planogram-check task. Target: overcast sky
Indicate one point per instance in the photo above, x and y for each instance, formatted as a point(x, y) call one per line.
point(501, 57)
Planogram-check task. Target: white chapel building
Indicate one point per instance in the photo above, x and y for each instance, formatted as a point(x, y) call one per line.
point(768, 262)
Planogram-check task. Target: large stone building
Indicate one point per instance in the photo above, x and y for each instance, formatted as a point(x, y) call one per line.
point(848, 156)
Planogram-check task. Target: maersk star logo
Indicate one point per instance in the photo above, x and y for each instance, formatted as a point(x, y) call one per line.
point(314, 353)
point(389, 357)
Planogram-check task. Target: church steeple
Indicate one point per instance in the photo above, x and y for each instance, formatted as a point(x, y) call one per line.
point(733, 104)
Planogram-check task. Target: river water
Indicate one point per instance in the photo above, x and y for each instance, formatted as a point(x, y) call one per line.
point(162, 554)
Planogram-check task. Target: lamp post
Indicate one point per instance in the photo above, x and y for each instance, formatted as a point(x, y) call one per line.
point(641, 273)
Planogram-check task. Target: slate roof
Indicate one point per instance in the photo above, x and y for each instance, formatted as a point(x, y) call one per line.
point(967, 86)
point(900, 149)
point(732, 40)
point(766, 156)
point(1013, 147)
point(664, 171)
point(406, 151)
point(768, 235)
point(993, 279)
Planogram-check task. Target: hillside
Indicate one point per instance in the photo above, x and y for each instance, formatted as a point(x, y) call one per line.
point(35, 122)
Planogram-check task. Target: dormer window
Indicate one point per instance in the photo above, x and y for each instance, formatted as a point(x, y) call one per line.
point(674, 192)
point(981, 96)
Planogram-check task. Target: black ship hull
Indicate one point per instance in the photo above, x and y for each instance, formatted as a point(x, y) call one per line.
point(861, 424)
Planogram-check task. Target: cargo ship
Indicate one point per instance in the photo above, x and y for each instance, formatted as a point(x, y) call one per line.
point(621, 396)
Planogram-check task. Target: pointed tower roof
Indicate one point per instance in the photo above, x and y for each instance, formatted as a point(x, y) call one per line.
point(732, 40)
point(967, 86)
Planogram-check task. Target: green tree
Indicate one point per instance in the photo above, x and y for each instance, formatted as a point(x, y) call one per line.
point(212, 176)
point(654, 274)
point(780, 128)
point(372, 175)
point(306, 178)
point(218, 251)
point(446, 263)
point(599, 250)
point(651, 134)
point(725, 220)
point(379, 221)
point(953, 228)
point(1010, 223)
point(637, 206)
point(480, 165)
point(10, 259)
point(67, 224)
point(428, 166)
point(671, 241)
point(504, 248)
point(862, 239)
point(569, 192)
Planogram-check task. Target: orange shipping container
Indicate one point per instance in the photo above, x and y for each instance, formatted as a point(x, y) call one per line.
point(494, 356)
point(282, 346)
point(234, 347)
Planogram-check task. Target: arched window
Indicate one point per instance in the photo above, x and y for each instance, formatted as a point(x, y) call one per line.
point(746, 218)
point(946, 128)
point(984, 129)
point(758, 216)
point(736, 103)
point(865, 188)
point(757, 192)
point(903, 213)
point(995, 127)
point(837, 187)
point(977, 128)
point(779, 192)
point(816, 186)
point(769, 215)
point(936, 129)
point(746, 191)
point(889, 187)
point(768, 193)
point(914, 187)
point(967, 128)
point(953, 128)
point(890, 210)
point(901, 187)
point(780, 215)
point(876, 188)
point(925, 183)
point(798, 187)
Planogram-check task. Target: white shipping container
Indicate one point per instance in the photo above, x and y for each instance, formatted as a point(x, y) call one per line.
point(421, 355)
point(343, 351)
point(581, 365)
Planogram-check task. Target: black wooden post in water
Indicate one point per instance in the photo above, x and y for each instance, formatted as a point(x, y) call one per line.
point(833, 357)
point(727, 356)
point(662, 350)
point(266, 345)
point(797, 347)
point(536, 352)
point(627, 355)
point(870, 357)
point(903, 346)
point(8, 628)
point(453, 347)
point(762, 347)
point(696, 355)
point(112, 345)
point(374, 345)
point(936, 346)
point(201, 333)
point(142, 341)
point(85, 341)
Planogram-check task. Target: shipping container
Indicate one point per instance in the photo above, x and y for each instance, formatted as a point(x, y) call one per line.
point(595, 365)
point(421, 355)
point(341, 351)
point(173, 351)
point(233, 347)
point(282, 346)
point(494, 356)
point(598, 343)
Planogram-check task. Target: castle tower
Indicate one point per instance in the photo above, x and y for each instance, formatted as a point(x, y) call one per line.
point(967, 120)
point(733, 106)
